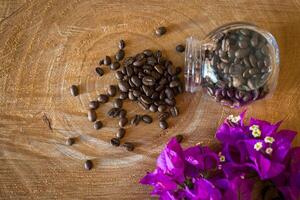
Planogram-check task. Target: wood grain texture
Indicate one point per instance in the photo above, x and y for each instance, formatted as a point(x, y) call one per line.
point(47, 45)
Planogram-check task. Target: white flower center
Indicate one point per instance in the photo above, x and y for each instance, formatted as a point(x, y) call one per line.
point(269, 140)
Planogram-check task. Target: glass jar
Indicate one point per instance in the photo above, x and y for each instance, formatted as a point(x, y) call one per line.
point(235, 64)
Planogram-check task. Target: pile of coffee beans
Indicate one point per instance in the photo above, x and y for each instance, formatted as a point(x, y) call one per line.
point(237, 68)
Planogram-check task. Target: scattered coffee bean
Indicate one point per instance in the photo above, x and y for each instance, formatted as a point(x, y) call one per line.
point(135, 120)
point(119, 75)
point(179, 138)
point(129, 146)
point(162, 108)
point(99, 71)
point(114, 65)
point(143, 105)
point(123, 95)
point(118, 103)
point(163, 116)
point(112, 90)
point(174, 111)
point(98, 125)
point(120, 133)
point(94, 105)
point(120, 55)
point(121, 44)
point(107, 60)
point(88, 165)
point(122, 113)
point(113, 112)
point(115, 142)
point(74, 90)
point(153, 108)
point(163, 124)
point(103, 98)
point(180, 48)
point(124, 86)
point(147, 119)
point(123, 121)
point(70, 141)
point(160, 31)
point(92, 116)
point(101, 62)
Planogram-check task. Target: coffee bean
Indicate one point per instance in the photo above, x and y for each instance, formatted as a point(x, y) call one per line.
point(88, 165)
point(120, 133)
point(148, 52)
point(155, 96)
point(163, 124)
point(180, 48)
point(163, 116)
point(115, 66)
point(129, 146)
point(171, 70)
point(70, 141)
point(139, 63)
point(131, 96)
point(169, 92)
point(136, 81)
point(252, 60)
point(123, 121)
point(161, 108)
point(251, 84)
point(112, 91)
point(94, 105)
point(178, 70)
point(107, 60)
point(92, 116)
point(160, 88)
point(124, 86)
point(147, 119)
point(74, 90)
point(160, 31)
point(131, 83)
point(103, 98)
point(174, 111)
point(179, 138)
point(159, 69)
point(148, 80)
point(237, 82)
point(118, 103)
point(143, 105)
point(119, 75)
point(113, 112)
point(158, 54)
point(121, 44)
point(122, 113)
point(240, 53)
point(123, 95)
point(98, 125)
point(135, 120)
point(99, 71)
point(140, 56)
point(101, 62)
point(151, 61)
point(146, 99)
point(153, 108)
point(115, 142)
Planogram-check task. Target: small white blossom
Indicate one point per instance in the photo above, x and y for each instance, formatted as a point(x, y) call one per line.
point(222, 158)
point(256, 133)
point(254, 127)
point(234, 119)
point(269, 140)
point(269, 150)
point(258, 146)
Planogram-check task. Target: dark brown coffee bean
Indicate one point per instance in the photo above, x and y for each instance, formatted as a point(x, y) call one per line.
point(123, 95)
point(120, 55)
point(153, 108)
point(143, 105)
point(88, 165)
point(115, 142)
point(122, 113)
point(147, 119)
point(161, 108)
point(170, 102)
point(148, 80)
point(243, 44)
point(101, 62)
point(129, 146)
point(148, 91)
point(151, 61)
point(252, 60)
point(141, 75)
point(129, 71)
point(139, 63)
point(146, 99)
point(254, 40)
point(174, 111)
point(112, 91)
point(115, 66)
point(136, 81)
point(175, 83)
point(121, 44)
point(163, 81)
point(163, 124)
point(265, 50)
point(236, 82)
point(99, 71)
point(171, 70)
point(240, 53)
point(169, 93)
point(131, 96)
point(107, 60)
point(94, 105)
point(179, 138)
point(98, 125)
point(155, 96)
point(158, 54)
point(121, 133)
point(135, 120)
point(163, 116)
point(140, 56)
point(123, 121)
point(137, 93)
point(148, 52)
point(160, 31)
point(70, 141)
point(180, 48)
point(178, 70)
point(113, 112)
point(159, 69)
point(103, 98)
point(131, 83)
point(251, 84)
point(160, 88)
point(123, 86)
point(92, 116)
point(118, 103)
point(74, 90)
point(119, 75)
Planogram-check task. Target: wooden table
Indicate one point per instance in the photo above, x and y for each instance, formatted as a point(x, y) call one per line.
point(47, 45)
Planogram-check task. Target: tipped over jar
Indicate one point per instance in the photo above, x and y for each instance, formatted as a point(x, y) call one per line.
point(236, 64)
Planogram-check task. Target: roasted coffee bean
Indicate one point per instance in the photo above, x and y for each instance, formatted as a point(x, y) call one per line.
point(123, 86)
point(74, 90)
point(94, 105)
point(161, 108)
point(139, 63)
point(113, 112)
point(243, 44)
point(148, 91)
point(170, 102)
point(70, 141)
point(112, 91)
point(148, 80)
point(88, 165)
point(121, 44)
point(163, 124)
point(146, 99)
point(103, 98)
point(180, 48)
point(162, 95)
point(136, 81)
point(135, 120)
point(118, 103)
point(159, 69)
point(131, 84)
point(123, 95)
point(131, 96)
point(158, 54)
point(107, 60)
point(120, 55)
point(101, 62)
point(147, 119)
point(174, 111)
point(143, 105)
point(129, 146)
point(115, 66)
point(121, 133)
point(155, 96)
point(115, 142)
point(178, 70)
point(175, 83)
point(151, 61)
point(159, 88)
point(179, 138)
point(137, 93)
point(160, 31)
point(92, 116)
point(171, 70)
point(169, 93)
point(153, 108)
point(163, 81)
point(99, 71)
point(119, 75)
point(122, 113)
point(141, 75)
point(129, 71)
point(163, 116)
point(240, 53)
point(148, 52)
point(123, 121)
point(140, 56)
point(98, 125)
